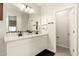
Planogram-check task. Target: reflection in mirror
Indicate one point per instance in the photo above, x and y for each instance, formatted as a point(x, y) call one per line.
point(12, 23)
point(19, 20)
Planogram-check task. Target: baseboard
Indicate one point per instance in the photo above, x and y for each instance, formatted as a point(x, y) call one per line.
point(46, 52)
point(62, 46)
point(51, 50)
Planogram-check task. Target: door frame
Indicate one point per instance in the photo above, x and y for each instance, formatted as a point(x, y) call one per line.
point(67, 26)
point(70, 7)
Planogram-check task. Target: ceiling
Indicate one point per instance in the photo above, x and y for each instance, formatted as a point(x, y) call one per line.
point(52, 4)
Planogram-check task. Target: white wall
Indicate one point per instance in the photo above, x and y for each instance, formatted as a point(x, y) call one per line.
point(2, 33)
point(48, 11)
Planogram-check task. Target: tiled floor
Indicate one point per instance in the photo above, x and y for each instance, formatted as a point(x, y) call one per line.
point(62, 51)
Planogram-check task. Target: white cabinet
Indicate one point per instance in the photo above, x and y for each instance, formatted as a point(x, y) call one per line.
point(15, 48)
point(15, 51)
point(52, 35)
point(27, 47)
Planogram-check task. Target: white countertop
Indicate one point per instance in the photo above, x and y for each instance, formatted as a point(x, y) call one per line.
point(14, 36)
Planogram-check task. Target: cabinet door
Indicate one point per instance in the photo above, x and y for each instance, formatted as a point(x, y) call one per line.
point(16, 48)
point(1, 11)
point(35, 45)
point(15, 51)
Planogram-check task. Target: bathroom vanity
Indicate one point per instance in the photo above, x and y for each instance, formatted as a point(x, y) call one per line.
point(26, 45)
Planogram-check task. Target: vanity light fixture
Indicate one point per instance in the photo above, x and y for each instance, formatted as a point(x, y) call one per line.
point(26, 8)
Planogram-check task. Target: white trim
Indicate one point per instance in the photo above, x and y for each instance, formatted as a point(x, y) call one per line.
point(73, 6)
point(62, 46)
point(64, 8)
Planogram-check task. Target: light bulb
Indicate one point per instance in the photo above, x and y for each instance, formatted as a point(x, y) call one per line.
point(22, 7)
point(31, 11)
point(27, 9)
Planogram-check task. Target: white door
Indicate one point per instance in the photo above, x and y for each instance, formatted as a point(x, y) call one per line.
point(73, 31)
point(62, 28)
point(52, 35)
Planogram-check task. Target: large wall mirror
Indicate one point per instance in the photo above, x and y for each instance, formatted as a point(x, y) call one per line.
point(18, 19)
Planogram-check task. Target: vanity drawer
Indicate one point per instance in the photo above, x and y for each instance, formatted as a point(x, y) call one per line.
point(17, 42)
